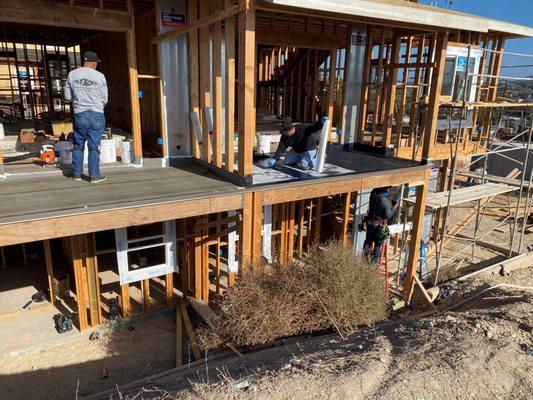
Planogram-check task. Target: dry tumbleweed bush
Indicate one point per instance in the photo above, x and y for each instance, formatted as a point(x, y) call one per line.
point(333, 287)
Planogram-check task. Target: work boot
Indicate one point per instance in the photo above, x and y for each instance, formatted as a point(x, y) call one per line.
point(98, 179)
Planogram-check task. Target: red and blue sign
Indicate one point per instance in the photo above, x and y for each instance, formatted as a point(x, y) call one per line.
point(172, 19)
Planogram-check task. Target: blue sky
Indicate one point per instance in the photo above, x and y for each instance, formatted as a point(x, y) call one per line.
point(515, 11)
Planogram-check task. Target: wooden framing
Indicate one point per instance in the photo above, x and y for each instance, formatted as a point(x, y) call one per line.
point(229, 36)
point(246, 96)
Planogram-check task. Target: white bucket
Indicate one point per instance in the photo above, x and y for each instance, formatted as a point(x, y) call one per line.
point(125, 147)
point(108, 151)
point(2, 134)
point(263, 144)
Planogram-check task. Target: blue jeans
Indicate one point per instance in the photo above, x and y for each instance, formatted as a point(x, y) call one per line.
point(88, 127)
point(307, 159)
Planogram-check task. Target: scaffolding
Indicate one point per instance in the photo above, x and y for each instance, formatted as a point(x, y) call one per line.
point(484, 180)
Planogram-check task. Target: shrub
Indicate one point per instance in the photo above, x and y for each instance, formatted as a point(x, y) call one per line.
point(332, 287)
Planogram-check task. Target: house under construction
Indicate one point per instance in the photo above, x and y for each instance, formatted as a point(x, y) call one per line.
point(201, 88)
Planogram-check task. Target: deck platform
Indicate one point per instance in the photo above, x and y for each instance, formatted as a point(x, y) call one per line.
point(39, 207)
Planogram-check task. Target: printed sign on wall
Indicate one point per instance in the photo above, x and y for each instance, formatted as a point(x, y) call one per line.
point(172, 19)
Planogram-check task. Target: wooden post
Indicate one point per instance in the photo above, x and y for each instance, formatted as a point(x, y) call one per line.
point(246, 90)
point(366, 85)
point(390, 101)
point(257, 225)
point(49, 269)
point(134, 90)
point(416, 234)
point(229, 35)
point(125, 301)
point(87, 244)
point(192, 59)
point(331, 87)
point(346, 218)
point(301, 216)
point(245, 234)
point(434, 95)
point(77, 265)
point(205, 82)
point(217, 95)
point(290, 234)
point(179, 337)
point(169, 289)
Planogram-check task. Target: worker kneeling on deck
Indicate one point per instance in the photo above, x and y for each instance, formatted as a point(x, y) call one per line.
point(380, 213)
point(86, 88)
point(302, 139)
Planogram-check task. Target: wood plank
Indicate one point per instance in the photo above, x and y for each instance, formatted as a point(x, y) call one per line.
point(88, 247)
point(189, 330)
point(391, 93)
point(77, 266)
point(204, 64)
point(277, 37)
point(179, 338)
point(217, 94)
point(169, 289)
point(61, 226)
point(203, 22)
point(346, 219)
point(63, 15)
point(135, 107)
point(434, 95)
point(247, 48)
point(306, 190)
point(125, 302)
point(49, 269)
point(257, 225)
point(464, 194)
point(331, 87)
point(245, 234)
point(301, 219)
point(193, 76)
point(416, 235)
point(145, 293)
point(229, 35)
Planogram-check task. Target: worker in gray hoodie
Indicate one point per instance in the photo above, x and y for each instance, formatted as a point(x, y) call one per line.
point(86, 88)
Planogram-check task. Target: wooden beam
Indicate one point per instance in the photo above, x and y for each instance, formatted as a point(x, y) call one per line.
point(204, 64)
point(125, 303)
point(391, 93)
point(189, 330)
point(416, 234)
point(77, 265)
point(331, 87)
point(277, 37)
point(247, 47)
point(203, 22)
point(64, 16)
point(217, 93)
point(179, 338)
point(88, 247)
point(245, 234)
point(346, 219)
point(169, 289)
point(257, 225)
point(193, 79)
point(308, 190)
point(49, 269)
point(73, 224)
point(229, 36)
point(434, 95)
point(366, 85)
point(134, 95)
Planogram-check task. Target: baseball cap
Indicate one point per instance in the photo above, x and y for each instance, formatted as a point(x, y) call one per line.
point(286, 126)
point(90, 56)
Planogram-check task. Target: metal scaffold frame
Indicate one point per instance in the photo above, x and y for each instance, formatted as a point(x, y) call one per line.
point(482, 157)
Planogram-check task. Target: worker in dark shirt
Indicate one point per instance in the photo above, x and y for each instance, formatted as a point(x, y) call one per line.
point(380, 213)
point(302, 139)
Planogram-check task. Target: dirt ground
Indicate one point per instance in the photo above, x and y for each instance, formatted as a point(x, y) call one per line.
point(75, 366)
point(481, 350)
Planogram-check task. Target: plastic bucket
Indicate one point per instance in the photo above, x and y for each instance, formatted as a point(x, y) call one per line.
point(2, 134)
point(64, 149)
point(108, 151)
point(263, 144)
point(125, 147)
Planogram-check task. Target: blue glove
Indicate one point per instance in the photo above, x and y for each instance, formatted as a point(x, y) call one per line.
point(271, 162)
point(324, 119)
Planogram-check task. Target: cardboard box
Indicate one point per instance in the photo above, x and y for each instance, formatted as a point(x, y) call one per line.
point(59, 127)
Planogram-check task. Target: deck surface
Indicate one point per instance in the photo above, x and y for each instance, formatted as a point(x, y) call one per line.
point(338, 163)
point(33, 197)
